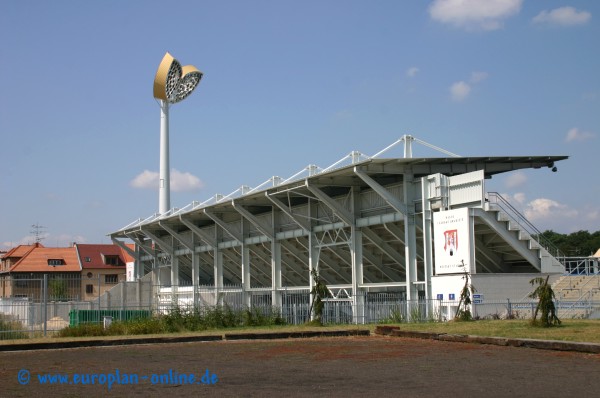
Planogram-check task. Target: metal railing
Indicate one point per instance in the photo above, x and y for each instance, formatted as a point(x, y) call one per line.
point(495, 198)
point(22, 317)
point(40, 305)
point(582, 265)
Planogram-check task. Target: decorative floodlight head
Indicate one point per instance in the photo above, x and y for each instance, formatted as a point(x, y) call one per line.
point(174, 83)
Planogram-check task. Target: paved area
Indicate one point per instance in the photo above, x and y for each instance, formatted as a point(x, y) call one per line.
point(379, 366)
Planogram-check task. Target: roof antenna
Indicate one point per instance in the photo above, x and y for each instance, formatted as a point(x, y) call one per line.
point(38, 232)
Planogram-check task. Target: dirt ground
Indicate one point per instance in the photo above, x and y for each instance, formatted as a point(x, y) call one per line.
point(325, 367)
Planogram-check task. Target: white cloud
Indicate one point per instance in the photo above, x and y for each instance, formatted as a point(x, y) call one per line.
point(474, 14)
point(412, 72)
point(342, 117)
point(576, 135)
point(549, 214)
point(460, 91)
point(27, 240)
point(548, 210)
point(64, 240)
point(515, 180)
point(145, 180)
point(477, 77)
point(46, 239)
point(563, 16)
point(593, 215)
point(591, 96)
point(519, 197)
point(180, 182)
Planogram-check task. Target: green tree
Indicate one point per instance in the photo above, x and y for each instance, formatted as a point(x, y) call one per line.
point(58, 290)
point(318, 292)
point(463, 311)
point(576, 244)
point(545, 295)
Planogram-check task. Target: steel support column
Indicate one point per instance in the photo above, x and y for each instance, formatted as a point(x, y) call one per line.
point(313, 253)
point(427, 241)
point(410, 237)
point(275, 266)
point(246, 281)
point(174, 279)
point(356, 245)
point(218, 273)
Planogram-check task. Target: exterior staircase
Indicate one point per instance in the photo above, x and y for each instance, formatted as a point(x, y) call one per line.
point(522, 238)
point(578, 296)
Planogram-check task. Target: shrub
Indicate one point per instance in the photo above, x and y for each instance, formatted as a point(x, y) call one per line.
point(182, 320)
point(11, 329)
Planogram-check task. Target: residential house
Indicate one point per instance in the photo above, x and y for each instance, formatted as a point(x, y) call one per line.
point(81, 272)
point(23, 269)
point(102, 267)
point(15, 254)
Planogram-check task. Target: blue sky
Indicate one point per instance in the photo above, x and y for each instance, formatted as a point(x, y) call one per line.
point(287, 84)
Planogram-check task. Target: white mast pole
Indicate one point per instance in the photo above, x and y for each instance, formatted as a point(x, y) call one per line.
point(408, 139)
point(164, 190)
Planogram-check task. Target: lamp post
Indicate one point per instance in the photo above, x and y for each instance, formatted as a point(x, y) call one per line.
point(172, 84)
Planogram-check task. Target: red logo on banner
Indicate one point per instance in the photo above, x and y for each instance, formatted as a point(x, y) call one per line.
point(451, 241)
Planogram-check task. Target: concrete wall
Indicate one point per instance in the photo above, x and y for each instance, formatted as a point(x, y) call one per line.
point(491, 287)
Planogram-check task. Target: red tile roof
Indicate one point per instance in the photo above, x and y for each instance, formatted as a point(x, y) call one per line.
point(94, 256)
point(21, 250)
point(37, 260)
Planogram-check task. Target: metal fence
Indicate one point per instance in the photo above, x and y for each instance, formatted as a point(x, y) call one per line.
point(296, 306)
point(39, 305)
point(44, 305)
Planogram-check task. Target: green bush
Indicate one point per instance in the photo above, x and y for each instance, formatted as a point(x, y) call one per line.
point(83, 330)
point(11, 329)
point(182, 320)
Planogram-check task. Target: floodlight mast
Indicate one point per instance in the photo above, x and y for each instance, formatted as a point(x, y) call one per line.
point(164, 187)
point(172, 83)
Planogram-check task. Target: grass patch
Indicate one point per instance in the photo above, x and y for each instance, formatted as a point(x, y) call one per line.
point(569, 330)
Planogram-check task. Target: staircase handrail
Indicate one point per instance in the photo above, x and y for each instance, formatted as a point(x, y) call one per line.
point(582, 302)
point(515, 215)
point(589, 278)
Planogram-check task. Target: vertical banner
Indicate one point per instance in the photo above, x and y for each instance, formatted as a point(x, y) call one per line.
point(130, 276)
point(452, 242)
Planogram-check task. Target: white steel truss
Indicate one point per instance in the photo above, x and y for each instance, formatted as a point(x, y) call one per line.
point(364, 223)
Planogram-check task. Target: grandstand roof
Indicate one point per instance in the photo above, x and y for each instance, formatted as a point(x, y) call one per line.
point(337, 179)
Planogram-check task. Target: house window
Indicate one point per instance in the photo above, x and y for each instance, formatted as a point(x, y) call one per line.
point(88, 259)
point(89, 289)
point(111, 279)
point(21, 283)
point(53, 262)
point(111, 260)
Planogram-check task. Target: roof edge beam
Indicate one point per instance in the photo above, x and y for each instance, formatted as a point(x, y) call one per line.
point(123, 246)
point(342, 213)
point(140, 244)
point(164, 245)
point(381, 191)
point(288, 212)
point(212, 242)
point(234, 234)
point(177, 236)
point(267, 231)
